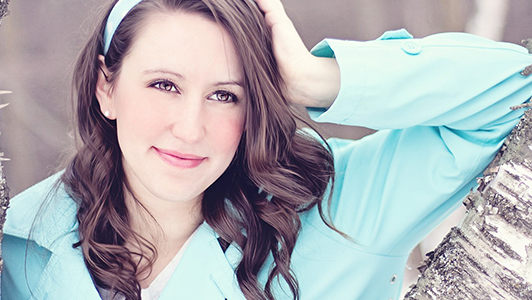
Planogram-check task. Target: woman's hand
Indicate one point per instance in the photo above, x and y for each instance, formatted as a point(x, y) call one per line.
point(310, 80)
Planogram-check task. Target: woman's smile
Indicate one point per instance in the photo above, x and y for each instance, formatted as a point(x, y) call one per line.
point(179, 160)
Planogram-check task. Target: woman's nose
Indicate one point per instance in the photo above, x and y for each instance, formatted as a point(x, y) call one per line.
point(189, 122)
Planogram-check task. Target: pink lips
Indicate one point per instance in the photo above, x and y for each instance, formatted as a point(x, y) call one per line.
point(180, 160)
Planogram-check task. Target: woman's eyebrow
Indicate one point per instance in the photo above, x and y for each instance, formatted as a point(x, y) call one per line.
point(178, 75)
point(240, 84)
point(163, 71)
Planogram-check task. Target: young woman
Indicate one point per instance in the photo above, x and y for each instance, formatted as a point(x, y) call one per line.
point(192, 181)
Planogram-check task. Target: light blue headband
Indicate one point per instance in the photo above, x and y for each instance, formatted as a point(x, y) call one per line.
point(119, 11)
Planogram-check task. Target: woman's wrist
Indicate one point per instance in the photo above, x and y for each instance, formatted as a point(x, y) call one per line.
point(319, 83)
point(327, 81)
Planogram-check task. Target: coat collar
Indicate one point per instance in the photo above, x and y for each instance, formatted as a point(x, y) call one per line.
point(204, 271)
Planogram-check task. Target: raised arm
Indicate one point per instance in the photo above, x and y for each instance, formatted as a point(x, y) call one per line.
point(443, 104)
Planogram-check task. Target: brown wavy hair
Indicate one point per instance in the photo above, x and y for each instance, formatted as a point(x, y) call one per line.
point(277, 173)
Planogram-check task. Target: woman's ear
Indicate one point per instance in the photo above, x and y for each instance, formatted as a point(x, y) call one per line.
point(103, 90)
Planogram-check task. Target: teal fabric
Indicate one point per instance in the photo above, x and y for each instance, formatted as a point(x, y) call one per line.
point(441, 105)
point(16, 279)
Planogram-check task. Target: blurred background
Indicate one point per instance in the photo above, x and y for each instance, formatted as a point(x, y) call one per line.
point(39, 41)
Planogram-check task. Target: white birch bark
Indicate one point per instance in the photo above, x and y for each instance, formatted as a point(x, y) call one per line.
point(4, 203)
point(4, 196)
point(3, 9)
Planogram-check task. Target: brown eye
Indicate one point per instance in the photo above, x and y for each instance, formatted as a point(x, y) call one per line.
point(165, 86)
point(223, 96)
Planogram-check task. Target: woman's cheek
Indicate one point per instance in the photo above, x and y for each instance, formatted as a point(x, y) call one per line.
point(232, 132)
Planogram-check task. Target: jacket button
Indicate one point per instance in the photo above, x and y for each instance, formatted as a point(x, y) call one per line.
point(411, 48)
point(394, 279)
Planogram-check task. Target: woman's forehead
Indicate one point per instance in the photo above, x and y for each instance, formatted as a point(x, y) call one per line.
point(188, 42)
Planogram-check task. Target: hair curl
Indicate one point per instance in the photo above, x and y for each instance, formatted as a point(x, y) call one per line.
point(277, 173)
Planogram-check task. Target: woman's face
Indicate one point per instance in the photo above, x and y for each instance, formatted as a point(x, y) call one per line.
point(179, 107)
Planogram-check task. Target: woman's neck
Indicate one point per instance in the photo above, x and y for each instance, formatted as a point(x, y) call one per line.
point(166, 225)
point(162, 219)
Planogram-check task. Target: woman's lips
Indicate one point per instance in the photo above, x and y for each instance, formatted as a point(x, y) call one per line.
point(180, 160)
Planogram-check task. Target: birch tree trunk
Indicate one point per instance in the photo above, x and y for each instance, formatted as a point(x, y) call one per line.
point(489, 255)
point(4, 191)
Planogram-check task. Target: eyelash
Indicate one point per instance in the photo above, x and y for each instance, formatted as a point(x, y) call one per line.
point(161, 84)
point(158, 84)
point(231, 97)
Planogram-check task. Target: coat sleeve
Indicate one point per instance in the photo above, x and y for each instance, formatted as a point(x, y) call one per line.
point(442, 108)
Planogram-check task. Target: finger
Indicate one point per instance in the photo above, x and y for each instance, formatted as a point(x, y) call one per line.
point(280, 23)
point(269, 5)
point(274, 12)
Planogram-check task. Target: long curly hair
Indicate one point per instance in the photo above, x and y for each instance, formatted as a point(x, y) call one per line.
point(277, 173)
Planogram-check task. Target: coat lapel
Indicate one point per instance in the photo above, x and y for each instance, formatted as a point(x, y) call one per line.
point(47, 215)
point(66, 276)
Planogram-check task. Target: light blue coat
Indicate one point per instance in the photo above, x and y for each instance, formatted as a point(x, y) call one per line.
point(442, 107)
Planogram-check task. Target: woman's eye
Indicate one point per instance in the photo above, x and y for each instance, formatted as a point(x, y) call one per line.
point(223, 96)
point(165, 86)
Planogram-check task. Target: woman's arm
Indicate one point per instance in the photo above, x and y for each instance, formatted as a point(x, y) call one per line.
point(448, 105)
point(433, 75)
point(455, 80)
